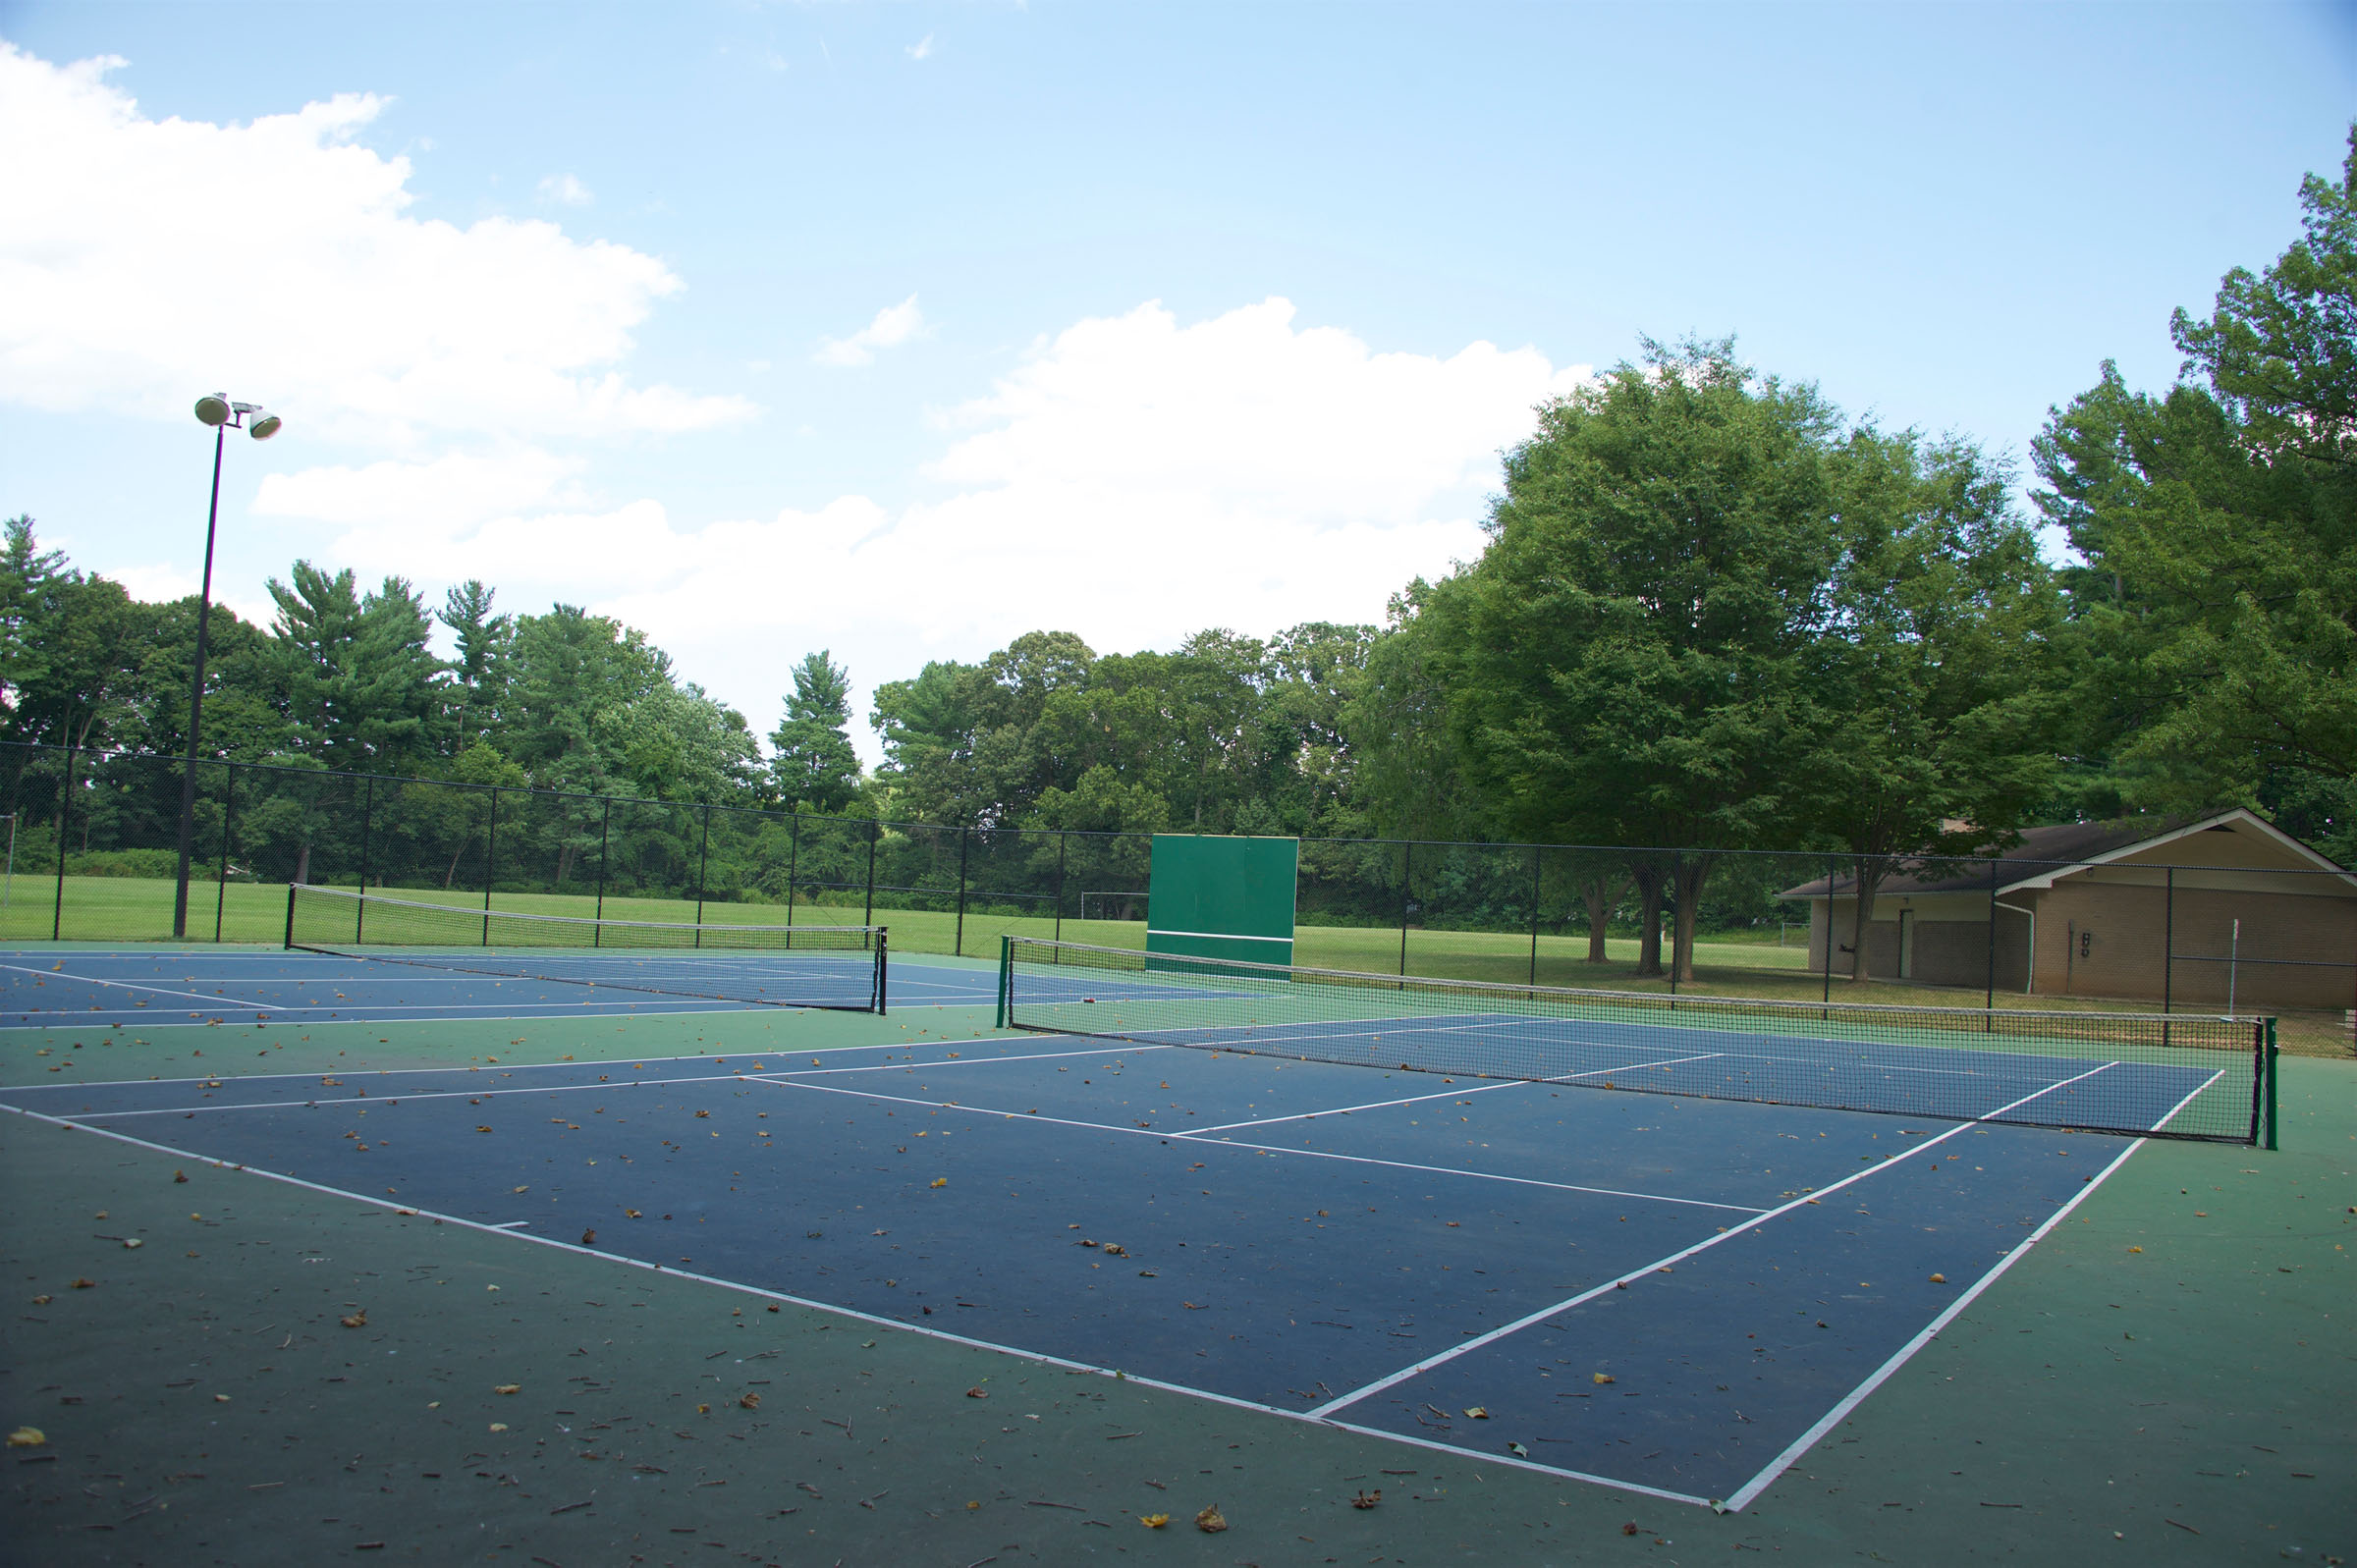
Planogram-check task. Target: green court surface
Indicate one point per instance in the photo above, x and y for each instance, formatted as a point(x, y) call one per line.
point(2166, 1378)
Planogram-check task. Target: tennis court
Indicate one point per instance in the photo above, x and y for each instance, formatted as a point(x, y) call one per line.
point(1334, 1218)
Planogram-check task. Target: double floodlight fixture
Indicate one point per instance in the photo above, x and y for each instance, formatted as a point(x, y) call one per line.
point(215, 408)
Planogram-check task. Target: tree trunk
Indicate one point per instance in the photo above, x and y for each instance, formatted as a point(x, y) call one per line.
point(1688, 878)
point(1869, 878)
point(451, 876)
point(1648, 878)
point(1601, 892)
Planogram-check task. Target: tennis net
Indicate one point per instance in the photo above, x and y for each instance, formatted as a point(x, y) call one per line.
point(2166, 1075)
point(786, 966)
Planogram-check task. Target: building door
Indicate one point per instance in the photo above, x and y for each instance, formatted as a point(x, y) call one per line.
point(1907, 944)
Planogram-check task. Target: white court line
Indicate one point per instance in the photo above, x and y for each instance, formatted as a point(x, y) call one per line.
point(1451, 1094)
point(1704, 1245)
point(974, 1061)
point(397, 1096)
point(503, 1070)
point(1511, 1461)
point(1271, 1149)
point(126, 985)
point(1742, 1496)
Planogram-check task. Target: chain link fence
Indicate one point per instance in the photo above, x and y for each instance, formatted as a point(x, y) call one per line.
point(2222, 916)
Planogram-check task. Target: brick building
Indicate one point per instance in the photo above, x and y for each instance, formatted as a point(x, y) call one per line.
point(2142, 910)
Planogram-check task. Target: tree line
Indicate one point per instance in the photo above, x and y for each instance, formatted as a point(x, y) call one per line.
point(1710, 610)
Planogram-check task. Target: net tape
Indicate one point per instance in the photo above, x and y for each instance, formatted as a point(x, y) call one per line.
point(2171, 1075)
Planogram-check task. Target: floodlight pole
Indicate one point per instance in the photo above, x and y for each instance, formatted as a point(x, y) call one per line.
point(188, 776)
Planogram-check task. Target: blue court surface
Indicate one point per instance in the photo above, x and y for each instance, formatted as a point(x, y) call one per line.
point(1668, 1294)
point(101, 988)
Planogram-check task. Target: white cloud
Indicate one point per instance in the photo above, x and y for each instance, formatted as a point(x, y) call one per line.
point(143, 261)
point(894, 325)
point(421, 501)
point(1133, 480)
point(565, 190)
point(922, 49)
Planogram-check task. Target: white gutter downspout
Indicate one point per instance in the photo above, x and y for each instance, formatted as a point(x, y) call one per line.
point(2029, 985)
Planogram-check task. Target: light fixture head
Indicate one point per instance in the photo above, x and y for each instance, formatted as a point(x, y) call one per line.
point(213, 409)
point(265, 425)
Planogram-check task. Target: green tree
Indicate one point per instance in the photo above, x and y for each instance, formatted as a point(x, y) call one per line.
point(360, 687)
point(1629, 661)
point(2215, 618)
point(1930, 704)
point(481, 672)
point(814, 765)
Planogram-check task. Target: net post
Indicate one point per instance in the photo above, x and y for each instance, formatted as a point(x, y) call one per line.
point(291, 890)
point(1006, 981)
point(883, 964)
point(958, 947)
point(2271, 1085)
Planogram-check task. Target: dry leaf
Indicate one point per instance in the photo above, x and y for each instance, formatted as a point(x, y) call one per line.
point(1939, 1280)
point(750, 1401)
point(977, 1393)
point(1629, 1529)
point(1152, 1521)
point(358, 1319)
point(940, 1181)
point(588, 1238)
point(701, 1113)
point(1113, 1249)
point(1367, 1499)
point(524, 1188)
point(134, 1241)
point(41, 1301)
point(703, 1410)
point(1477, 1412)
point(28, 1437)
point(179, 1175)
point(1517, 1450)
point(482, 1129)
point(506, 1388)
point(1604, 1376)
point(632, 1212)
point(1210, 1521)
point(2135, 1248)
point(86, 1285)
point(499, 1426)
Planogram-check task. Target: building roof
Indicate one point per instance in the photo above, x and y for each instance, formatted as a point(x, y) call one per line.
point(2044, 855)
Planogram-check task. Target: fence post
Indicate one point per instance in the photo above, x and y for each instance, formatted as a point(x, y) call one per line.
point(875, 831)
point(1407, 867)
point(490, 859)
point(1535, 853)
point(605, 838)
point(229, 821)
point(2169, 944)
point(793, 865)
point(704, 865)
point(1988, 1001)
point(1832, 867)
point(958, 947)
point(359, 905)
point(65, 820)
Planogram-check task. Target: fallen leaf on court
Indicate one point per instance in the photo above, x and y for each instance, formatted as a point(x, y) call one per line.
point(1192, 1306)
point(1604, 1376)
point(703, 1410)
point(358, 1319)
point(701, 1113)
point(750, 1401)
point(632, 1212)
point(86, 1285)
point(588, 1238)
point(499, 1426)
point(2135, 1248)
point(179, 1175)
point(220, 1399)
point(1367, 1499)
point(28, 1438)
point(132, 1241)
point(1629, 1529)
point(1210, 1521)
point(1939, 1280)
point(526, 1188)
point(1113, 1249)
point(940, 1181)
point(506, 1388)
point(1477, 1412)
point(1518, 1448)
point(1152, 1521)
point(482, 1129)
point(977, 1393)
point(41, 1301)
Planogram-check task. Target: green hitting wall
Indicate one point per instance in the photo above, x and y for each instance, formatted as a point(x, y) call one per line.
point(1218, 897)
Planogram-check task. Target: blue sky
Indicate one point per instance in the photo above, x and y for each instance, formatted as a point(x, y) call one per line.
point(901, 329)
